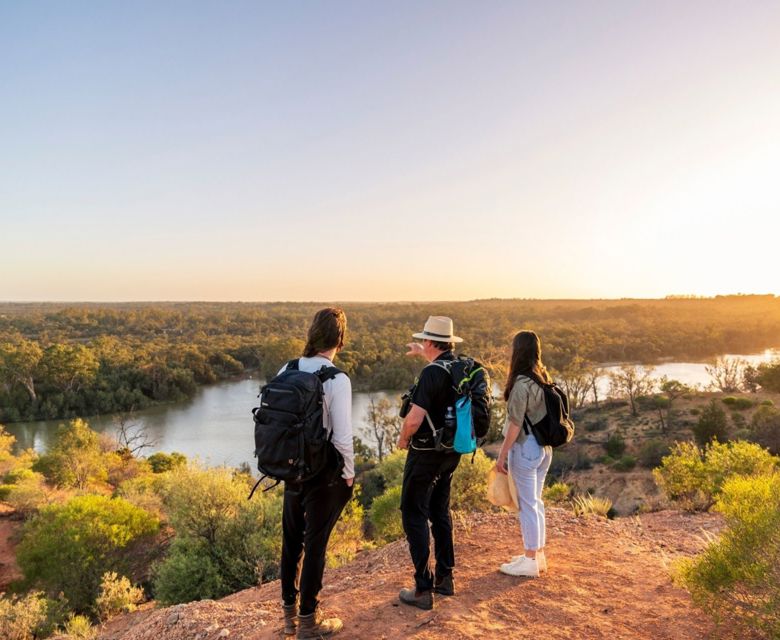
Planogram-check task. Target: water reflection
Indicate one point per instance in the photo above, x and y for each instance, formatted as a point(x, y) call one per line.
point(216, 425)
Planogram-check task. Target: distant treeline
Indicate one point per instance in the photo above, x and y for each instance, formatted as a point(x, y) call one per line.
point(59, 360)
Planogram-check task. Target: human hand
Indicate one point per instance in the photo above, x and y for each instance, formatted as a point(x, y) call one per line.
point(501, 465)
point(349, 481)
point(415, 349)
point(403, 443)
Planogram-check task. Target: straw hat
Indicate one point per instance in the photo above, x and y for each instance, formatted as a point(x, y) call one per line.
point(438, 329)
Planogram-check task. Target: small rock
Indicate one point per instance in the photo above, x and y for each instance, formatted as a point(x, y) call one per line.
point(172, 619)
point(224, 633)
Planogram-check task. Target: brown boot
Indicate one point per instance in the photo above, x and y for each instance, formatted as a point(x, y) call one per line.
point(444, 587)
point(313, 627)
point(290, 618)
point(416, 598)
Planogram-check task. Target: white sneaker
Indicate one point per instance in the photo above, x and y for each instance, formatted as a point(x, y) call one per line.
point(541, 560)
point(524, 566)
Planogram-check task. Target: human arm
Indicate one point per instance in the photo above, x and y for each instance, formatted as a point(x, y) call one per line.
point(512, 431)
point(410, 426)
point(516, 408)
point(340, 409)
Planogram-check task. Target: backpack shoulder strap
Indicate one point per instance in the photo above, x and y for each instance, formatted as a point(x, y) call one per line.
point(442, 364)
point(328, 373)
point(292, 365)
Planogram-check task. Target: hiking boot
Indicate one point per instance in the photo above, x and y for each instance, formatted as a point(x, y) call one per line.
point(444, 587)
point(417, 598)
point(541, 560)
point(313, 627)
point(524, 566)
point(290, 618)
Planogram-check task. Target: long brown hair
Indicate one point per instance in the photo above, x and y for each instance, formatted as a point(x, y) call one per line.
point(526, 360)
point(327, 331)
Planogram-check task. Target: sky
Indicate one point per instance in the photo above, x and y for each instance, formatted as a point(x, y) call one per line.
point(437, 150)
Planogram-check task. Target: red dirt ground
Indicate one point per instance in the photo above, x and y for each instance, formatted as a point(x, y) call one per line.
point(607, 579)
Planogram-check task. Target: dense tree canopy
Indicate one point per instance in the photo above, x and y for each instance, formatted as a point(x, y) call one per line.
point(60, 361)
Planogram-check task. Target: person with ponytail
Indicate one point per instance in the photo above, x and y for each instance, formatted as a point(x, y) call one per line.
point(521, 453)
point(312, 508)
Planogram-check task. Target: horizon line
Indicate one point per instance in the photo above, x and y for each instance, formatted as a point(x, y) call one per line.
point(388, 301)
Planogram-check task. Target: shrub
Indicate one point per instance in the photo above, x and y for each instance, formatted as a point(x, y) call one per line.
point(765, 428)
point(737, 578)
point(652, 452)
point(28, 494)
point(469, 484)
point(224, 542)
point(161, 462)
point(392, 468)
point(80, 628)
point(587, 504)
point(557, 492)
point(625, 463)
point(117, 595)
point(372, 484)
point(347, 536)
point(693, 477)
point(23, 618)
point(67, 548)
point(767, 403)
point(385, 516)
point(769, 375)
point(737, 403)
point(75, 459)
point(599, 424)
point(711, 424)
point(615, 445)
point(568, 459)
point(144, 491)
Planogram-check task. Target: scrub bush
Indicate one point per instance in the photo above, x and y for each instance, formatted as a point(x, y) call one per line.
point(68, 547)
point(765, 428)
point(347, 536)
point(626, 463)
point(737, 578)
point(652, 452)
point(23, 618)
point(737, 403)
point(385, 516)
point(469, 484)
point(693, 477)
point(615, 446)
point(117, 595)
point(712, 425)
point(224, 543)
point(556, 492)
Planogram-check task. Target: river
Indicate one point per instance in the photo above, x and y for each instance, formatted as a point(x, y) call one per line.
point(216, 424)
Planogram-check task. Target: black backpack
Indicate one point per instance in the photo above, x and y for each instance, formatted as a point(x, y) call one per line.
point(470, 379)
point(291, 443)
point(557, 427)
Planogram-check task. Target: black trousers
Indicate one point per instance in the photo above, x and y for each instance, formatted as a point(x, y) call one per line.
point(425, 496)
point(310, 512)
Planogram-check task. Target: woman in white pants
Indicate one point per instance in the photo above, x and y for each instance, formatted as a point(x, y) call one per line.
point(527, 461)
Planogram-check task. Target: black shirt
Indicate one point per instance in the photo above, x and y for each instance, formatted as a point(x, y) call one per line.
point(434, 393)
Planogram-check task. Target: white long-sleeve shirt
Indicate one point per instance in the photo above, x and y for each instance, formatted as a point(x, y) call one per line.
point(337, 413)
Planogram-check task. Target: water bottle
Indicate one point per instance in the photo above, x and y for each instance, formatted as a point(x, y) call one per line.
point(449, 419)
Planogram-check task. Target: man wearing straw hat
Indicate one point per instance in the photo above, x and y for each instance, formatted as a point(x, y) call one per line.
point(425, 493)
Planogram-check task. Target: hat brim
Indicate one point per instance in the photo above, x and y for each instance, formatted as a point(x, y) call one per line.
point(428, 336)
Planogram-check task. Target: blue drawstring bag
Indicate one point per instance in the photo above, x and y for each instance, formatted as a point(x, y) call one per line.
point(465, 438)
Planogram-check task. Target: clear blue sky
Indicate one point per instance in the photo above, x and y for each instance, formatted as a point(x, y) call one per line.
point(395, 150)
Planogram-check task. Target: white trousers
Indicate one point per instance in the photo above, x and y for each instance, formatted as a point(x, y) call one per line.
point(529, 464)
